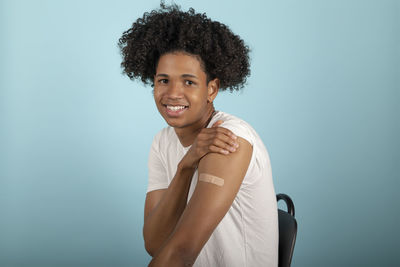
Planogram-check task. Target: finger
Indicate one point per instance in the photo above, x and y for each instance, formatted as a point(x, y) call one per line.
point(223, 134)
point(216, 149)
point(224, 143)
point(217, 123)
point(219, 130)
point(226, 132)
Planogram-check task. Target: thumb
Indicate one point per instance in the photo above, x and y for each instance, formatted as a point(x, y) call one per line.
point(217, 123)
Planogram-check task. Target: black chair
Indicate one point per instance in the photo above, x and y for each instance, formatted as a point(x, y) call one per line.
point(287, 231)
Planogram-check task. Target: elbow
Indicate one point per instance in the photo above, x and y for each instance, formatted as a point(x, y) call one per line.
point(148, 244)
point(172, 256)
point(184, 254)
point(180, 250)
point(150, 250)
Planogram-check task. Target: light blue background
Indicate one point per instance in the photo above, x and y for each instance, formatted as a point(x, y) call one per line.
point(75, 133)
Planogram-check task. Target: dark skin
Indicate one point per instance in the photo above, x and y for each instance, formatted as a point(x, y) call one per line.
point(180, 80)
point(184, 99)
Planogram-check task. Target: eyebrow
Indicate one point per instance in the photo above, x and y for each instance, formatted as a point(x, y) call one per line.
point(189, 75)
point(183, 75)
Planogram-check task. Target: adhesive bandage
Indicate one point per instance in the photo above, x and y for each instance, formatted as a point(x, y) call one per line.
point(205, 177)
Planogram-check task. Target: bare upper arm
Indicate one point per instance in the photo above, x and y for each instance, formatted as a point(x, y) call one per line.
point(210, 202)
point(152, 199)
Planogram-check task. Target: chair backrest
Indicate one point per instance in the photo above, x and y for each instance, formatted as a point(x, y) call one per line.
point(287, 231)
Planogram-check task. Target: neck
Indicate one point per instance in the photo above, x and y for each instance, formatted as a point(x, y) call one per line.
point(188, 134)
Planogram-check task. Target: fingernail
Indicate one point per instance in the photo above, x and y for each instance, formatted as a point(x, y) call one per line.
point(234, 136)
point(232, 149)
point(236, 145)
point(225, 152)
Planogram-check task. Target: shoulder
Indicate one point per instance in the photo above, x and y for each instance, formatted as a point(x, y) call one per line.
point(259, 156)
point(238, 126)
point(164, 137)
point(163, 133)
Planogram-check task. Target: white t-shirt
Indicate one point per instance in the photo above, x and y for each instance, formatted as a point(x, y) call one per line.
point(248, 234)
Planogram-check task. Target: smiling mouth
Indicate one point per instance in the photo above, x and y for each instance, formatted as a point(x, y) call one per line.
point(176, 110)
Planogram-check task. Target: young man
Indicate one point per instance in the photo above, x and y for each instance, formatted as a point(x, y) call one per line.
point(210, 198)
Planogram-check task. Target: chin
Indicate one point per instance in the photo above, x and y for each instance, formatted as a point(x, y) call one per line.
point(174, 123)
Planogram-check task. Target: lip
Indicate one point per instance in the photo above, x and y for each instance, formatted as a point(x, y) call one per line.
point(175, 113)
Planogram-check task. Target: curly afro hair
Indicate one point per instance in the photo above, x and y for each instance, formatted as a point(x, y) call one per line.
point(168, 29)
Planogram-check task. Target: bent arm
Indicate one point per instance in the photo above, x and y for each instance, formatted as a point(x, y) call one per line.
point(163, 209)
point(208, 205)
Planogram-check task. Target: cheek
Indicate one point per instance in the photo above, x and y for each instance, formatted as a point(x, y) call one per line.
point(156, 93)
point(199, 102)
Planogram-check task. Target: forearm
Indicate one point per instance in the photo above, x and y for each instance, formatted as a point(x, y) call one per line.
point(159, 224)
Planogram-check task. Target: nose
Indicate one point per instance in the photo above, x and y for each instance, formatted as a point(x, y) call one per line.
point(175, 90)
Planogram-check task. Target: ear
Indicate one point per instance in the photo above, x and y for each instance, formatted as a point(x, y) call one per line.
point(213, 88)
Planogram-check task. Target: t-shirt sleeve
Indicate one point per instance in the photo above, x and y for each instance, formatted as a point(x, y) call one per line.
point(157, 173)
point(239, 129)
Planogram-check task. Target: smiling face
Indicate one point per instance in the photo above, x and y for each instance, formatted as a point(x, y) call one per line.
point(181, 92)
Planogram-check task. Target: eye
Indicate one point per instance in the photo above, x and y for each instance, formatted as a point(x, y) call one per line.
point(189, 82)
point(163, 81)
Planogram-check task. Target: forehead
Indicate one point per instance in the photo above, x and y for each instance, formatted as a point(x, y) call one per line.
point(179, 63)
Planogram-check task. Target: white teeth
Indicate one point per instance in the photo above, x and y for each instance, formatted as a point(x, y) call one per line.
point(175, 108)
